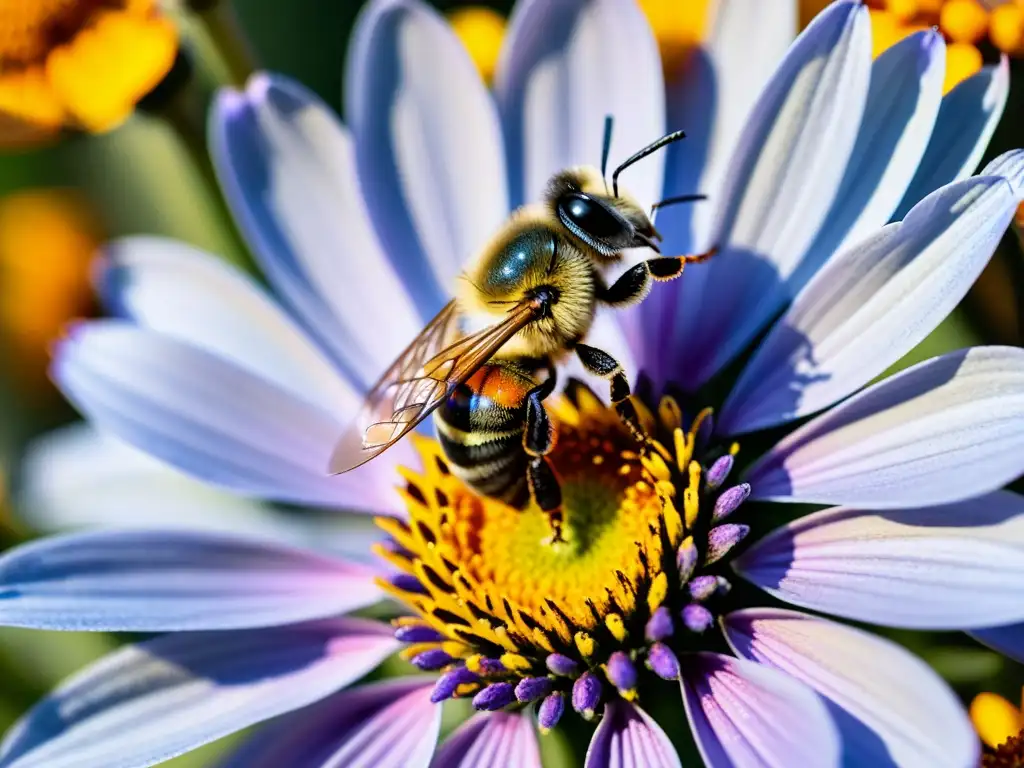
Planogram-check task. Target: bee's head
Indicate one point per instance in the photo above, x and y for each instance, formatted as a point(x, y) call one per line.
point(608, 223)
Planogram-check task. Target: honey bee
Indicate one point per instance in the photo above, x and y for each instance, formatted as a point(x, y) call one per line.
point(486, 362)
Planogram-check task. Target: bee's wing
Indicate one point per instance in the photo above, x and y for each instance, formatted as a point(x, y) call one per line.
point(422, 378)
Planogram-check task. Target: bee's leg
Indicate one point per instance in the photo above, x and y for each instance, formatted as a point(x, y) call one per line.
point(538, 441)
point(600, 363)
point(634, 284)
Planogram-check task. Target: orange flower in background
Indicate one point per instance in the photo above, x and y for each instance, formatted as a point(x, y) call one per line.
point(78, 63)
point(999, 724)
point(47, 241)
point(678, 28)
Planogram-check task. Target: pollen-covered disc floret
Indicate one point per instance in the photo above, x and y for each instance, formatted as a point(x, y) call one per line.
point(508, 618)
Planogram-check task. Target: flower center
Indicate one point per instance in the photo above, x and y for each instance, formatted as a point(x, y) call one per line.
point(511, 617)
point(1009, 754)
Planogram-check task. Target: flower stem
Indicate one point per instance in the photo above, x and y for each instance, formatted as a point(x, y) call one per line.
point(221, 25)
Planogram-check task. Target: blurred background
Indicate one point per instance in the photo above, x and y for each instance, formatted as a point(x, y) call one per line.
point(104, 154)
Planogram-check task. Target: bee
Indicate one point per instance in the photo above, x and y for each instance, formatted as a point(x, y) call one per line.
point(486, 362)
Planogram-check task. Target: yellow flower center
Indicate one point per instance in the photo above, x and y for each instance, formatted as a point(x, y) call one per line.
point(500, 607)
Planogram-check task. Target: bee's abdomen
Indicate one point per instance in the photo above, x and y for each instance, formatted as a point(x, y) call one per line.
point(480, 428)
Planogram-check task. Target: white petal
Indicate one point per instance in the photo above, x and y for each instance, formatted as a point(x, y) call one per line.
point(288, 170)
point(966, 121)
point(149, 702)
point(392, 724)
point(489, 739)
point(711, 99)
point(566, 65)
point(428, 144)
point(177, 290)
point(951, 566)
point(745, 715)
point(781, 185)
point(945, 430)
point(871, 305)
point(627, 737)
point(891, 707)
point(214, 420)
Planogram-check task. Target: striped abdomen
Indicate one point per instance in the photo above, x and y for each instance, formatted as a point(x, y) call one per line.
point(480, 428)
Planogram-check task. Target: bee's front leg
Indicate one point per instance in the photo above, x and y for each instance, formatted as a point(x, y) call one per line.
point(538, 442)
point(600, 363)
point(635, 283)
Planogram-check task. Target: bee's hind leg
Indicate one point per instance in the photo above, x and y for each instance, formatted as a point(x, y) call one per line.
point(538, 441)
point(600, 363)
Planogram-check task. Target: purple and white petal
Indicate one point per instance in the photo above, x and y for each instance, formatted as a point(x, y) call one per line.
point(891, 708)
point(627, 737)
point(556, 81)
point(215, 420)
point(177, 290)
point(288, 170)
point(491, 738)
point(428, 145)
point(901, 110)
point(161, 581)
point(953, 566)
point(746, 715)
point(149, 702)
point(782, 183)
point(392, 724)
point(77, 477)
point(1008, 640)
point(967, 119)
point(947, 429)
point(711, 98)
point(872, 304)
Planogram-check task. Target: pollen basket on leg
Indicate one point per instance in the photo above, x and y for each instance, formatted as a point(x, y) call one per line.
point(511, 616)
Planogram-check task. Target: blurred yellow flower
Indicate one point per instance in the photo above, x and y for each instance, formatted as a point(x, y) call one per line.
point(481, 30)
point(79, 63)
point(47, 240)
point(678, 25)
point(999, 724)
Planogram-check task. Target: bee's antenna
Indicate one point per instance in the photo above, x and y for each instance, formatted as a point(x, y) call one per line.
point(650, 148)
point(606, 145)
point(675, 200)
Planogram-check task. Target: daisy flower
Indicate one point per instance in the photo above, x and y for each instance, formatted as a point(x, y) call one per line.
point(849, 226)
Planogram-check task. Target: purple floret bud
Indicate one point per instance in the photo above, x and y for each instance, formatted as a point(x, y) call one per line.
point(697, 618)
point(621, 671)
point(686, 560)
point(719, 471)
point(663, 662)
point(446, 684)
point(533, 688)
point(730, 501)
point(702, 587)
point(491, 667)
point(659, 626)
point(418, 634)
point(550, 711)
point(586, 695)
point(409, 583)
point(722, 539)
point(495, 696)
point(435, 658)
point(558, 664)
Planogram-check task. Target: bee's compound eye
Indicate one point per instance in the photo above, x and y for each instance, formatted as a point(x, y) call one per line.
point(524, 251)
point(591, 217)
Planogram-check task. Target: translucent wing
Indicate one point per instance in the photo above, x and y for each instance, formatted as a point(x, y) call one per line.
point(422, 378)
